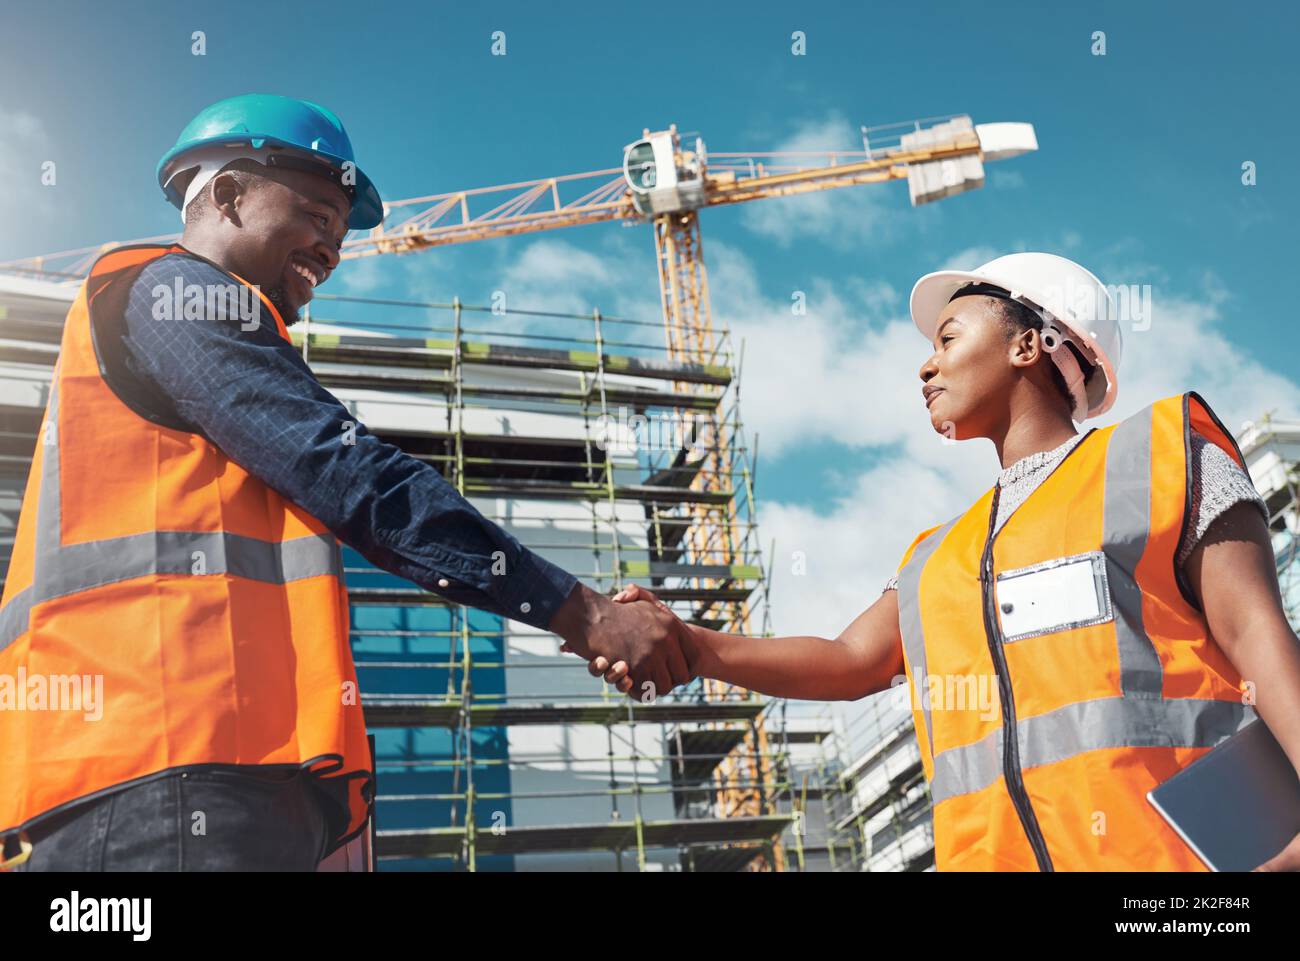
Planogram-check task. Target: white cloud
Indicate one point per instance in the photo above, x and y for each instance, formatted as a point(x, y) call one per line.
point(852, 545)
point(549, 274)
point(847, 371)
point(553, 274)
point(1007, 179)
point(972, 257)
point(1188, 347)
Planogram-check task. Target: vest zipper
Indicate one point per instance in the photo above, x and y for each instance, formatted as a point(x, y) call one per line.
point(1010, 743)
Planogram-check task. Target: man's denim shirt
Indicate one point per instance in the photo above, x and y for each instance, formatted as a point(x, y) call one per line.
point(252, 395)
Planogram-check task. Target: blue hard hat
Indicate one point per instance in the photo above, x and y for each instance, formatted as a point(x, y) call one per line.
point(303, 129)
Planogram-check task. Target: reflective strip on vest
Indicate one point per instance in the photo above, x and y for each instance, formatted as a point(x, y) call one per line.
point(1109, 722)
point(58, 569)
point(909, 614)
point(1126, 525)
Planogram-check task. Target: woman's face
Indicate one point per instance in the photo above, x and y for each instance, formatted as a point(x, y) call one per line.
point(967, 381)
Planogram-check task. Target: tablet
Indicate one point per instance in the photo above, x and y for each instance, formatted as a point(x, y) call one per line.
point(1237, 805)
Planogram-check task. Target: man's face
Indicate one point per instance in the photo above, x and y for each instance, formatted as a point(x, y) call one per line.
point(293, 224)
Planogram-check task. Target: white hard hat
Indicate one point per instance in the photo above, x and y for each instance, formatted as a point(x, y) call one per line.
point(1074, 304)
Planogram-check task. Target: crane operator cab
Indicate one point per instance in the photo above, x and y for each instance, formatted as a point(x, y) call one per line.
point(664, 178)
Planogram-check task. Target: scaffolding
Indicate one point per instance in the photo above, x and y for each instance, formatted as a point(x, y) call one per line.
point(646, 444)
point(877, 805)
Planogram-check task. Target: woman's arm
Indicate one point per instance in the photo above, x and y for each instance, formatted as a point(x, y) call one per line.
point(863, 660)
point(1234, 576)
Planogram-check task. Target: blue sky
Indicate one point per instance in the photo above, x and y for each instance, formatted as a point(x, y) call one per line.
point(1138, 177)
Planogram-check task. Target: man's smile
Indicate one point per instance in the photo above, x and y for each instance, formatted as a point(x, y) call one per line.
point(308, 273)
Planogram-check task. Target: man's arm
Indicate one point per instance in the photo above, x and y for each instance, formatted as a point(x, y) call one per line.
point(251, 393)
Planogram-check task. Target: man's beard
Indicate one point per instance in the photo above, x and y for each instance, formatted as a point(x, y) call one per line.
point(276, 296)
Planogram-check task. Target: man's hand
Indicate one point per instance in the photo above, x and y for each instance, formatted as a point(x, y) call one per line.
point(616, 672)
point(644, 638)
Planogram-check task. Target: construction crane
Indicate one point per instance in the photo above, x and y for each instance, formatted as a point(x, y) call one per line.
point(665, 184)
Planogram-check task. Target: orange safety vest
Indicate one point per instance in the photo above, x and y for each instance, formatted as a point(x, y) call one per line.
point(1101, 676)
point(211, 609)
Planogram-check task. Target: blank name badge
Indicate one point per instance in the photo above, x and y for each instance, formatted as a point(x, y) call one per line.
point(1056, 595)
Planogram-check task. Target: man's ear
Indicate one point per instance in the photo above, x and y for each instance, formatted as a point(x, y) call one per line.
point(226, 192)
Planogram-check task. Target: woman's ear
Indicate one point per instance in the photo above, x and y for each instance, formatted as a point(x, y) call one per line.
point(1026, 348)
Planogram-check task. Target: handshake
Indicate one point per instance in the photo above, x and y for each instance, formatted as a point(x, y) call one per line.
point(632, 639)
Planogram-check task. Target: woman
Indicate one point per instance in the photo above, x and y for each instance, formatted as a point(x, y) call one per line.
point(1114, 590)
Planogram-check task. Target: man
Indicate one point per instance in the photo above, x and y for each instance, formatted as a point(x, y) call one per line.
point(178, 535)
point(1105, 614)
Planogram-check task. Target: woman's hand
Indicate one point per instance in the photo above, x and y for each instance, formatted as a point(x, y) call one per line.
point(1288, 859)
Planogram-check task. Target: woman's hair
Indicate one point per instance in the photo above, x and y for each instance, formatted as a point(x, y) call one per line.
point(1017, 318)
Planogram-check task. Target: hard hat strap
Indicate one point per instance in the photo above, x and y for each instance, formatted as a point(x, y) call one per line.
point(993, 290)
point(209, 162)
point(988, 290)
